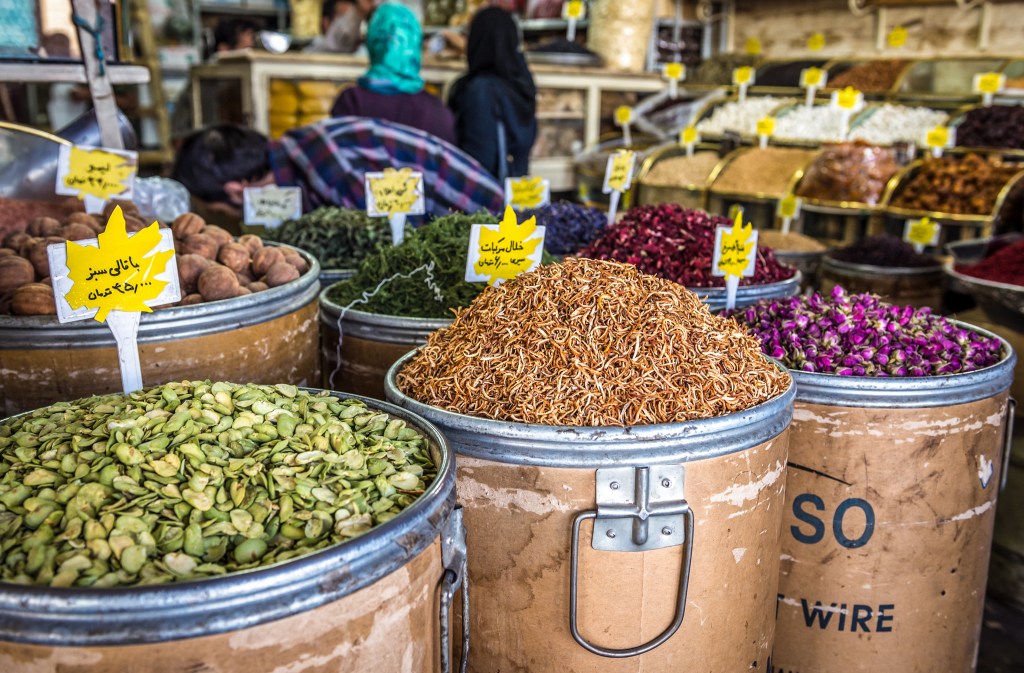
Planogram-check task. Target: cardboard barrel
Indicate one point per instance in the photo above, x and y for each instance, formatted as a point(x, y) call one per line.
point(890, 504)
point(265, 337)
point(373, 603)
point(691, 587)
point(917, 287)
point(358, 348)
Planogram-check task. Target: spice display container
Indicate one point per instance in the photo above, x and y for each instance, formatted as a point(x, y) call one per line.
point(263, 337)
point(890, 505)
point(755, 179)
point(589, 168)
point(325, 608)
point(781, 77)
point(998, 128)
point(945, 82)
point(722, 116)
point(576, 580)
point(888, 267)
point(669, 176)
point(875, 78)
point(979, 193)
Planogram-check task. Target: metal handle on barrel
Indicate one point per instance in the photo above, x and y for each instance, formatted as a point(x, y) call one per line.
point(626, 520)
point(456, 575)
point(1011, 411)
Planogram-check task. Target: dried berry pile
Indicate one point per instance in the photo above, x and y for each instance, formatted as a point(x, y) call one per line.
point(884, 250)
point(860, 335)
point(996, 126)
point(1005, 265)
point(967, 185)
point(590, 343)
point(569, 226)
point(677, 244)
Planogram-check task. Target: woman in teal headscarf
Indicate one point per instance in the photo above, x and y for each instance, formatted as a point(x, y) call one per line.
point(392, 88)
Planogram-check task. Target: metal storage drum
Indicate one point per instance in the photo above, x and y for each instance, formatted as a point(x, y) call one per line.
point(715, 297)
point(647, 548)
point(377, 602)
point(265, 337)
point(358, 348)
point(913, 286)
point(890, 505)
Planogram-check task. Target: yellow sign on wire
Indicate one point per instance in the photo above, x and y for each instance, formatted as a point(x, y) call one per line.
point(735, 249)
point(503, 251)
point(98, 173)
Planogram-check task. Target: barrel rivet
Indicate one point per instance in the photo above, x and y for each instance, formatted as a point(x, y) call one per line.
point(666, 531)
point(610, 533)
point(614, 485)
point(667, 483)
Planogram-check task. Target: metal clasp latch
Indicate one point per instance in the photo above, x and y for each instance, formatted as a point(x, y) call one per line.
point(453, 558)
point(638, 509)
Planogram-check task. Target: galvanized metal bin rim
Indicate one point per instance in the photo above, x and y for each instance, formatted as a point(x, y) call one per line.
point(916, 392)
point(715, 297)
point(331, 308)
point(84, 617)
point(593, 447)
point(874, 271)
point(166, 324)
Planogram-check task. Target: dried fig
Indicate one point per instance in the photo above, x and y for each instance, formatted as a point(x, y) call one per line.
point(296, 260)
point(190, 267)
point(186, 225)
point(264, 259)
point(242, 291)
point(218, 282)
point(191, 300)
point(15, 272)
point(257, 286)
point(252, 242)
point(235, 256)
point(86, 219)
point(222, 236)
point(77, 232)
point(200, 244)
point(243, 277)
point(34, 299)
point(280, 273)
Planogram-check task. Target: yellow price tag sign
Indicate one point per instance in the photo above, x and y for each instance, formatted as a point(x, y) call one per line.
point(989, 83)
point(674, 71)
point(816, 41)
point(120, 273)
point(938, 137)
point(689, 136)
point(574, 9)
point(789, 206)
point(623, 115)
point(527, 192)
point(500, 252)
point(897, 37)
point(743, 76)
point(735, 210)
point(394, 191)
point(752, 46)
point(766, 126)
point(812, 77)
point(849, 98)
point(619, 172)
point(735, 249)
point(923, 232)
point(95, 173)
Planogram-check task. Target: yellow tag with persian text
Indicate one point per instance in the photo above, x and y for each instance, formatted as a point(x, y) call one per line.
point(675, 71)
point(394, 191)
point(743, 76)
point(752, 46)
point(735, 249)
point(789, 206)
point(897, 37)
point(689, 136)
point(816, 42)
point(527, 192)
point(619, 174)
point(121, 273)
point(989, 83)
point(623, 115)
point(500, 252)
point(573, 10)
point(812, 77)
point(849, 98)
point(98, 173)
point(766, 126)
point(938, 137)
point(923, 232)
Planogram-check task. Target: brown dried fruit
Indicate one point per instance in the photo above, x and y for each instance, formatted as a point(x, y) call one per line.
point(222, 236)
point(252, 242)
point(134, 224)
point(235, 256)
point(15, 272)
point(34, 299)
point(15, 239)
point(127, 208)
point(257, 286)
point(25, 247)
point(296, 260)
point(242, 291)
point(200, 244)
point(76, 232)
point(7, 251)
point(190, 267)
point(191, 300)
point(86, 219)
point(243, 277)
point(186, 225)
point(280, 273)
point(218, 282)
point(43, 226)
point(264, 259)
point(39, 259)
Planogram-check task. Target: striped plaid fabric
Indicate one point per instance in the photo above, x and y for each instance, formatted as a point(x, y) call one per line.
point(328, 160)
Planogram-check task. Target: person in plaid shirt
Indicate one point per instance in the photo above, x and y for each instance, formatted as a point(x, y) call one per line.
point(328, 160)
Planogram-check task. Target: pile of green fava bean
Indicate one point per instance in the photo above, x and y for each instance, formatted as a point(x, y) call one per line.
point(195, 479)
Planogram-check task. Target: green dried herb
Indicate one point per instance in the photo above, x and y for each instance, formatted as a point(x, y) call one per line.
point(340, 238)
point(195, 479)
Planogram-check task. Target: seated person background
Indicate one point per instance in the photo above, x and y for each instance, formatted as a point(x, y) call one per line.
point(392, 88)
point(328, 161)
point(340, 25)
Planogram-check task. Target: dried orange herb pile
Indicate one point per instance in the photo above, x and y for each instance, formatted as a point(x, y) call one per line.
point(590, 343)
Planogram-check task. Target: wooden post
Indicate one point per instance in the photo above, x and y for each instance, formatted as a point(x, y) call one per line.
point(103, 100)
